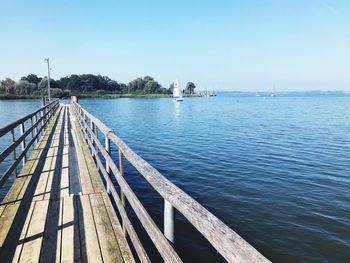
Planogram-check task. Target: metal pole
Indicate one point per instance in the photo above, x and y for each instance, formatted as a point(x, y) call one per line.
point(48, 78)
point(169, 221)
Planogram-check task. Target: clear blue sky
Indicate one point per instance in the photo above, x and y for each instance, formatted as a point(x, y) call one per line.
point(226, 45)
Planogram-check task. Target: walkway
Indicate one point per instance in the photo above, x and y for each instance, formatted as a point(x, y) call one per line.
point(58, 210)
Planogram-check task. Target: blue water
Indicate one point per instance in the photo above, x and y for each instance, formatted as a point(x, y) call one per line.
point(276, 171)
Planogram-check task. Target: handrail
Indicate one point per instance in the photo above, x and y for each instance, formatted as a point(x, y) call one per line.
point(35, 129)
point(226, 241)
point(5, 129)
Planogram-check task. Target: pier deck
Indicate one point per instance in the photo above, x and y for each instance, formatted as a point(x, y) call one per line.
point(57, 209)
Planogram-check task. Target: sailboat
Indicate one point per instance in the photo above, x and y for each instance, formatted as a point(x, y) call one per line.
point(274, 94)
point(177, 94)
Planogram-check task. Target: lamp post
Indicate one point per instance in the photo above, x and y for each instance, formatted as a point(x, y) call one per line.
point(48, 78)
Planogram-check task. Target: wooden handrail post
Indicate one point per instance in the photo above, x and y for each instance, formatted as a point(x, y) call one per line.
point(14, 151)
point(108, 150)
point(85, 129)
point(121, 170)
point(23, 143)
point(169, 221)
point(31, 124)
point(92, 126)
point(122, 196)
point(36, 130)
point(42, 121)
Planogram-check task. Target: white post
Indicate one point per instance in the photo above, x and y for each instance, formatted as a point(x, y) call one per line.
point(14, 151)
point(31, 125)
point(23, 143)
point(48, 79)
point(169, 221)
point(36, 129)
point(108, 149)
point(92, 126)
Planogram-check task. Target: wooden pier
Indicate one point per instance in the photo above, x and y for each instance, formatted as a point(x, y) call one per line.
point(63, 207)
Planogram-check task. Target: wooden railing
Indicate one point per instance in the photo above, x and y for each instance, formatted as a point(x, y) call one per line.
point(27, 138)
point(227, 242)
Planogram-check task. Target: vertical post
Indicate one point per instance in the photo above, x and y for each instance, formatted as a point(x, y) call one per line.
point(96, 133)
point(169, 221)
point(92, 126)
point(14, 151)
point(121, 170)
point(31, 125)
point(36, 129)
point(108, 149)
point(23, 143)
point(48, 78)
point(122, 196)
point(42, 121)
point(85, 125)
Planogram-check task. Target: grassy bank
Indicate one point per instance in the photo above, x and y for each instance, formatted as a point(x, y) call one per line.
point(13, 97)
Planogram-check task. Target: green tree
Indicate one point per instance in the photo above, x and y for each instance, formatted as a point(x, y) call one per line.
point(190, 88)
point(24, 87)
point(32, 78)
point(8, 86)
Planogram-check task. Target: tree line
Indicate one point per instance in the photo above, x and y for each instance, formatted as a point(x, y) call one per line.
point(80, 84)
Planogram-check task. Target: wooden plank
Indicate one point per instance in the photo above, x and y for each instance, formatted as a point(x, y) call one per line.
point(89, 162)
point(141, 253)
point(51, 246)
point(70, 232)
point(6, 220)
point(85, 180)
point(23, 233)
point(11, 212)
point(32, 243)
point(165, 249)
point(90, 248)
point(93, 172)
point(108, 242)
point(65, 182)
point(41, 186)
point(118, 231)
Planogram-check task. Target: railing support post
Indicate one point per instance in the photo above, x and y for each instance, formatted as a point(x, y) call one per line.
point(93, 129)
point(23, 143)
point(85, 127)
point(121, 170)
point(108, 149)
point(169, 221)
point(42, 121)
point(122, 196)
point(36, 130)
point(14, 151)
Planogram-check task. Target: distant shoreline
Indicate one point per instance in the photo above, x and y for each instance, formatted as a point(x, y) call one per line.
point(88, 96)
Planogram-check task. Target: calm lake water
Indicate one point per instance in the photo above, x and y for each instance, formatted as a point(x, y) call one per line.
point(277, 171)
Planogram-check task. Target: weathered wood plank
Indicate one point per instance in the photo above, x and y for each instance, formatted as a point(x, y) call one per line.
point(70, 236)
point(16, 192)
point(118, 232)
point(23, 233)
point(51, 244)
point(33, 240)
point(6, 220)
point(90, 247)
point(85, 180)
point(108, 242)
